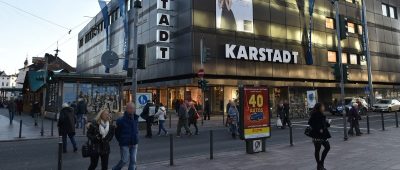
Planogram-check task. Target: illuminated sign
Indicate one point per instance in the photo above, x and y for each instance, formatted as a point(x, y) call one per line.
point(240, 52)
point(163, 36)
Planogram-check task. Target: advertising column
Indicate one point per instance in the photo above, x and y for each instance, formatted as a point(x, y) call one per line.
point(254, 118)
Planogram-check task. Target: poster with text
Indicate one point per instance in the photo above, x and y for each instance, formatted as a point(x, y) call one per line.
point(256, 114)
point(236, 15)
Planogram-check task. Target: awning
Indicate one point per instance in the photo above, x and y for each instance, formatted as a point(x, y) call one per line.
point(35, 80)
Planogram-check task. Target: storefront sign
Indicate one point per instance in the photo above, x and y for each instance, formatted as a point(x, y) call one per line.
point(163, 36)
point(240, 52)
point(255, 113)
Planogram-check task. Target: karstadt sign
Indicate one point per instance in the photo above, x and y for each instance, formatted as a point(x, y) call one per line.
point(163, 35)
point(240, 52)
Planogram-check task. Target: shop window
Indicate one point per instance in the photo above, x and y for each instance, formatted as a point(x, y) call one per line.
point(344, 58)
point(353, 59)
point(351, 27)
point(330, 23)
point(331, 56)
point(363, 60)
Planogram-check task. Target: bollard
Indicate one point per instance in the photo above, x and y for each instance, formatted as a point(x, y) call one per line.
point(397, 120)
point(367, 124)
point(291, 135)
point(60, 143)
point(52, 127)
point(383, 121)
point(42, 128)
point(171, 150)
point(170, 120)
point(20, 128)
point(211, 145)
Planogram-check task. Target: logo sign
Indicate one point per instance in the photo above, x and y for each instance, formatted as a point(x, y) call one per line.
point(141, 101)
point(257, 146)
point(163, 36)
point(240, 52)
point(255, 113)
point(311, 98)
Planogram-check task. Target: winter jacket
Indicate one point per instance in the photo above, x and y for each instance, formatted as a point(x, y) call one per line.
point(192, 112)
point(66, 122)
point(81, 108)
point(127, 130)
point(317, 123)
point(183, 112)
point(161, 113)
point(146, 111)
point(353, 115)
point(100, 145)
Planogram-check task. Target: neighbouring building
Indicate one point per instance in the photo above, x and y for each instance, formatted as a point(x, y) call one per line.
point(251, 42)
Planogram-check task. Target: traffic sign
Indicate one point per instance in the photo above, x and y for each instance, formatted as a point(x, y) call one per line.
point(200, 73)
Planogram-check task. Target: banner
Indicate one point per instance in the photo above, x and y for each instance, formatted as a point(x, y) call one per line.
point(256, 113)
point(123, 13)
point(104, 12)
point(312, 98)
point(309, 58)
point(236, 15)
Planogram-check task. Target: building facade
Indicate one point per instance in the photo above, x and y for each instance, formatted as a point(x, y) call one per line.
point(251, 42)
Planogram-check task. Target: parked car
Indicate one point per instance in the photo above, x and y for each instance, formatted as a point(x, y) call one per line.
point(387, 105)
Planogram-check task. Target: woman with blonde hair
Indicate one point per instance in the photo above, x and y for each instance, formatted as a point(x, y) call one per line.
point(100, 133)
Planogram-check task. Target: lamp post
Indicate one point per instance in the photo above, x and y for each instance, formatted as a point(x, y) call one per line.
point(137, 5)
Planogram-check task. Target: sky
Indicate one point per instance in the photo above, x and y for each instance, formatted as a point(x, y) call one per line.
point(22, 35)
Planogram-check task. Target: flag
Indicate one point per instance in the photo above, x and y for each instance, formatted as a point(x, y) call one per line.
point(104, 12)
point(122, 7)
point(309, 57)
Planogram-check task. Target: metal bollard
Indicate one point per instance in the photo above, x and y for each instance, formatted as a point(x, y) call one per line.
point(383, 121)
point(291, 135)
point(170, 120)
point(52, 127)
point(211, 145)
point(42, 128)
point(60, 150)
point(367, 124)
point(20, 129)
point(171, 150)
point(397, 120)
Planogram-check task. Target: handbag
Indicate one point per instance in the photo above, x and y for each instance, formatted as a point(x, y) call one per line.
point(87, 150)
point(278, 122)
point(307, 131)
point(196, 115)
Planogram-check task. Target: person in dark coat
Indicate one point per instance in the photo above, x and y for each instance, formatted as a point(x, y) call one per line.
point(285, 118)
point(66, 126)
point(192, 117)
point(35, 112)
point(148, 117)
point(127, 135)
point(319, 134)
point(183, 119)
point(20, 106)
point(12, 108)
point(100, 133)
point(353, 119)
point(81, 111)
point(228, 105)
point(207, 109)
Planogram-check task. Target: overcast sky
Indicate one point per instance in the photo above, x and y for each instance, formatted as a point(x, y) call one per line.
point(22, 35)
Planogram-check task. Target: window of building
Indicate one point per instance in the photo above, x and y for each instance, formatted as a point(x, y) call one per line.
point(331, 56)
point(330, 23)
point(351, 27)
point(7, 84)
point(392, 12)
point(353, 59)
point(363, 60)
point(344, 58)
point(2, 84)
point(81, 42)
point(389, 11)
point(384, 10)
point(360, 29)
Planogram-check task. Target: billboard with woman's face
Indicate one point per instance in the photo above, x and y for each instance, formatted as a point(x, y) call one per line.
point(236, 15)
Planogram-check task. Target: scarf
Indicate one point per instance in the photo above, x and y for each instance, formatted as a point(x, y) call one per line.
point(104, 127)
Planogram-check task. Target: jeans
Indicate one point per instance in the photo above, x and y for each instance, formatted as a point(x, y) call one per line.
point(94, 159)
point(71, 138)
point(36, 117)
point(11, 116)
point(182, 123)
point(194, 122)
point(161, 127)
point(79, 121)
point(149, 122)
point(128, 153)
point(354, 125)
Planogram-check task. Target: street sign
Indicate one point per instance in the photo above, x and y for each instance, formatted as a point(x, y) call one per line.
point(200, 73)
point(141, 101)
point(109, 59)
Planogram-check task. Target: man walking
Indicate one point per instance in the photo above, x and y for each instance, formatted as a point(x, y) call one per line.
point(66, 126)
point(148, 115)
point(183, 119)
point(286, 111)
point(207, 109)
point(81, 112)
point(353, 119)
point(35, 112)
point(11, 110)
point(126, 134)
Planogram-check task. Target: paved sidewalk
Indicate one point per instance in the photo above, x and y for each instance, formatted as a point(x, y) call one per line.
point(377, 151)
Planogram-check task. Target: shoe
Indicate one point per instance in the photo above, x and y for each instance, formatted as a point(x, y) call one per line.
point(76, 150)
point(166, 134)
point(359, 134)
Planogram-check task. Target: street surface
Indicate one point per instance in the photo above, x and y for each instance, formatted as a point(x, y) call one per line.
point(41, 154)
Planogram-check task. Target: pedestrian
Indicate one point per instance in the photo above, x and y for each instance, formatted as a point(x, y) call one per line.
point(280, 114)
point(233, 113)
point(11, 110)
point(285, 119)
point(100, 133)
point(228, 105)
point(66, 126)
point(148, 115)
point(177, 104)
point(353, 119)
point(162, 115)
point(319, 134)
point(183, 119)
point(81, 113)
point(126, 134)
point(35, 112)
point(207, 109)
point(19, 107)
point(193, 116)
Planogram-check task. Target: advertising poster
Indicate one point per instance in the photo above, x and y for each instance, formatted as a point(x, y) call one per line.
point(256, 115)
point(236, 15)
point(141, 101)
point(311, 98)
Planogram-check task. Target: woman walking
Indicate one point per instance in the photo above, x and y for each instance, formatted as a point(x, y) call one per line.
point(100, 133)
point(233, 119)
point(162, 115)
point(320, 134)
point(193, 116)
